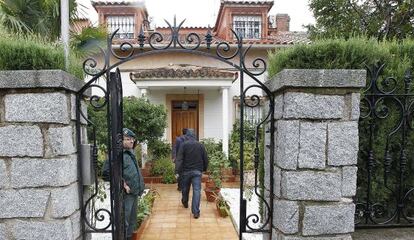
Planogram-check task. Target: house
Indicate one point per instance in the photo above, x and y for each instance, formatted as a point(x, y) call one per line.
point(198, 92)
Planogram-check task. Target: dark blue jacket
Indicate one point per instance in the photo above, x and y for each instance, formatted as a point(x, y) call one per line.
point(178, 141)
point(192, 155)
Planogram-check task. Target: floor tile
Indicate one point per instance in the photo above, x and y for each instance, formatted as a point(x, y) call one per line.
point(169, 220)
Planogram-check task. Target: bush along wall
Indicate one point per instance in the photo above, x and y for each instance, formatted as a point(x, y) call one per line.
point(360, 53)
point(354, 53)
point(34, 53)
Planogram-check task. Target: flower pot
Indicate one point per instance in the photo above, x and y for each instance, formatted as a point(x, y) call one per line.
point(226, 171)
point(210, 184)
point(230, 178)
point(211, 194)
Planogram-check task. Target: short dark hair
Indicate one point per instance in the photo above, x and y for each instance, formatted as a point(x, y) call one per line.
point(185, 131)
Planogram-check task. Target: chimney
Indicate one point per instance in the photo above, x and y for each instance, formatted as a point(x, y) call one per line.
point(282, 22)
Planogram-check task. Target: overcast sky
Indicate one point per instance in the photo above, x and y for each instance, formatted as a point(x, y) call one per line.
point(204, 12)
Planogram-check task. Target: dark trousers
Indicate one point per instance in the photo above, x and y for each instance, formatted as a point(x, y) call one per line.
point(192, 178)
point(179, 179)
point(130, 206)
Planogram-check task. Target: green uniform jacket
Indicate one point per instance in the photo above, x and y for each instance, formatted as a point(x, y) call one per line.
point(131, 173)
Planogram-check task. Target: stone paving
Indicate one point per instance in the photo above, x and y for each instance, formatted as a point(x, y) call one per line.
point(169, 220)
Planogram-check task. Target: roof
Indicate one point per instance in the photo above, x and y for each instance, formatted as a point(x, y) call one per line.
point(290, 38)
point(257, 2)
point(119, 2)
point(182, 71)
point(280, 39)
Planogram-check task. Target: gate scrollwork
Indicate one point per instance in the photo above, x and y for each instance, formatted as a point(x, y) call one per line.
point(232, 54)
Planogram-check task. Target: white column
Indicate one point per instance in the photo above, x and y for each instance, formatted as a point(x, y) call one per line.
point(225, 103)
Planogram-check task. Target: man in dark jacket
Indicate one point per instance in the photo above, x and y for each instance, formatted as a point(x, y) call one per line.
point(191, 161)
point(178, 141)
point(133, 181)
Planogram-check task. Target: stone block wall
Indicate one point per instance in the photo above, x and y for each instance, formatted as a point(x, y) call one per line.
point(315, 156)
point(39, 187)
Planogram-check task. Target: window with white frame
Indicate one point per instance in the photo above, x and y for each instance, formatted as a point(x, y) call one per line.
point(126, 25)
point(249, 27)
point(252, 115)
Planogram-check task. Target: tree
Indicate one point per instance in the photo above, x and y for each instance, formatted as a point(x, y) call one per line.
point(40, 17)
point(145, 119)
point(345, 18)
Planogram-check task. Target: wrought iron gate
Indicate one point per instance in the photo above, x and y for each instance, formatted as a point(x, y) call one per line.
point(155, 43)
point(385, 193)
point(112, 101)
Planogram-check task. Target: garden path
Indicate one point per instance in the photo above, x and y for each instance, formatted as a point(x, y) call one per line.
point(169, 220)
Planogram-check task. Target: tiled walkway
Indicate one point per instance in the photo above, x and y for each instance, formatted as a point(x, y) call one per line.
point(169, 220)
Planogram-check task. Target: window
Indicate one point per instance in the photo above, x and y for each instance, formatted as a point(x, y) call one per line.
point(252, 115)
point(249, 27)
point(126, 25)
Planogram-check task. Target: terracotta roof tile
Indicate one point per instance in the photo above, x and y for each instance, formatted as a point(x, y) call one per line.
point(182, 71)
point(248, 1)
point(118, 2)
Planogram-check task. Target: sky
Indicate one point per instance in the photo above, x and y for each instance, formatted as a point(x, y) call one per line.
point(204, 12)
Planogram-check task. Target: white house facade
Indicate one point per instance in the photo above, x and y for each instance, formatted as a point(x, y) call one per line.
point(198, 92)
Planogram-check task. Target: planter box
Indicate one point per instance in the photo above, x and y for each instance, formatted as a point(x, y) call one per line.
point(137, 235)
point(152, 179)
point(223, 211)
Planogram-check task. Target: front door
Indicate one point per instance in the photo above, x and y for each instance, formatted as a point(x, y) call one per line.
point(184, 115)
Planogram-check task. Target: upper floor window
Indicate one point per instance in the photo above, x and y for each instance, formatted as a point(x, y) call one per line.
point(126, 25)
point(249, 27)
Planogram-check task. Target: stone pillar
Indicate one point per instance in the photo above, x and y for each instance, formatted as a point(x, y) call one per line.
point(225, 114)
point(39, 188)
point(316, 148)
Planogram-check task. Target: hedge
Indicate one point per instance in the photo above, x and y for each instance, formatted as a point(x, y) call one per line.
point(33, 53)
point(354, 53)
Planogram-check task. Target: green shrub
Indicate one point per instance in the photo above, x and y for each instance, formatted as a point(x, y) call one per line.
point(340, 54)
point(217, 160)
point(249, 145)
point(33, 53)
point(145, 119)
point(164, 167)
point(158, 149)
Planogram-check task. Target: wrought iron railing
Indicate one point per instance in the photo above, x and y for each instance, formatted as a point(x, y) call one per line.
point(385, 192)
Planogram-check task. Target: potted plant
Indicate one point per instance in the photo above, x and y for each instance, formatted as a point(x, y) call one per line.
point(213, 185)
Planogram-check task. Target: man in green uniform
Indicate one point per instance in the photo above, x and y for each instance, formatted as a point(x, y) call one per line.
point(133, 181)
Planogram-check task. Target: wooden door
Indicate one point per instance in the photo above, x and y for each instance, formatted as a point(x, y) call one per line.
point(183, 118)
